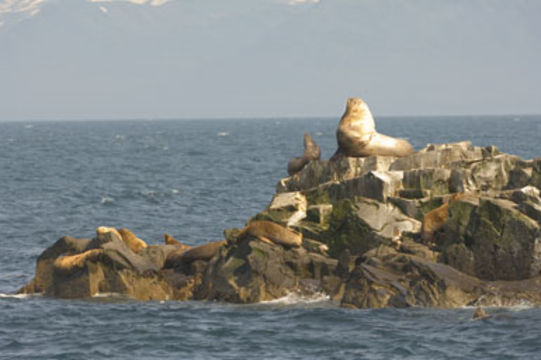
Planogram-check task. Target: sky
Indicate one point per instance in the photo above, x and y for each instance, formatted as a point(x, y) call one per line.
point(154, 59)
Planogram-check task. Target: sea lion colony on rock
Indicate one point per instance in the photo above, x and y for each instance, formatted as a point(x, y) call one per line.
point(383, 268)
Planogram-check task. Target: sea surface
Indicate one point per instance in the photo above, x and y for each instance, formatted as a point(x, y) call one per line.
point(193, 179)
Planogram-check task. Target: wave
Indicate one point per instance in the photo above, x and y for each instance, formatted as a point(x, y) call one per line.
point(107, 295)
point(512, 305)
point(17, 296)
point(106, 200)
point(299, 299)
point(223, 133)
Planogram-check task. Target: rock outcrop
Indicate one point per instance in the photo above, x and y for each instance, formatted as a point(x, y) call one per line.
point(359, 224)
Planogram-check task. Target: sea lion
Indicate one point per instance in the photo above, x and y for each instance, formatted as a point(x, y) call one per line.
point(312, 151)
point(271, 233)
point(133, 242)
point(203, 252)
point(68, 262)
point(434, 219)
point(397, 239)
point(102, 230)
point(174, 258)
point(357, 137)
point(480, 314)
point(169, 240)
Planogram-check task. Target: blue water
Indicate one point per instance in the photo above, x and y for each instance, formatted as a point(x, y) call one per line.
point(193, 179)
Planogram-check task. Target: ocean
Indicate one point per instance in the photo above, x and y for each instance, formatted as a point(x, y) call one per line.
point(193, 179)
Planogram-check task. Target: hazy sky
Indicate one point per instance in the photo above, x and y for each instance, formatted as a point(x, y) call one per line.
point(79, 59)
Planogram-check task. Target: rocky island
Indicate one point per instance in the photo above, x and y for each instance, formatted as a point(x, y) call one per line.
point(446, 226)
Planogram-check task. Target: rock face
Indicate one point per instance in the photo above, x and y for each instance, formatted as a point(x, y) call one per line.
point(360, 221)
point(252, 271)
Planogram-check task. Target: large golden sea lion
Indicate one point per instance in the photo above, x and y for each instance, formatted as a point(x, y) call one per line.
point(133, 242)
point(102, 230)
point(129, 238)
point(357, 136)
point(271, 233)
point(312, 151)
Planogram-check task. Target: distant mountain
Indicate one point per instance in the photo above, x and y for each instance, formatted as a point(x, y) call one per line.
point(215, 58)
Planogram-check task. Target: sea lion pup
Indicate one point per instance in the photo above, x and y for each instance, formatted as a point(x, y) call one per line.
point(69, 262)
point(396, 240)
point(434, 219)
point(203, 252)
point(271, 233)
point(357, 137)
point(312, 151)
point(133, 242)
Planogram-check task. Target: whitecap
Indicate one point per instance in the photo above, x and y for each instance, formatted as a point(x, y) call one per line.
point(175, 191)
point(120, 137)
point(223, 133)
point(17, 296)
point(108, 295)
point(299, 299)
point(106, 200)
point(28, 126)
point(319, 133)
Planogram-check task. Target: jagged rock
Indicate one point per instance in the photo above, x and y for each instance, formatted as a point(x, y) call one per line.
point(387, 278)
point(345, 168)
point(435, 156)
point(360, 224)
point(375, 185)
point(505, 244)
point(252, 271)
point(289, 208)
point(320, 214)
point(43, 279)
point(115, 268)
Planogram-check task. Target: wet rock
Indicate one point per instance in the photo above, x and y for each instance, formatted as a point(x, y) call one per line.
point(252, 271)
point(43, 279)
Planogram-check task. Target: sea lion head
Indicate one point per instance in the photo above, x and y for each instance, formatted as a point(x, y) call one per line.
point(102, 230)
point(356, 105)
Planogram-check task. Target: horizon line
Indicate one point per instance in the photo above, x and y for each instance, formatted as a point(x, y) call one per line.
point(281, 117)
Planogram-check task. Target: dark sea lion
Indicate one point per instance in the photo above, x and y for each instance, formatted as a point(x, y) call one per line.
point(357, 136)
point(203, 252)
point(312, 151)
point(272, 233)
point(174, 258)
point(133, 242)
point(169, 240)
